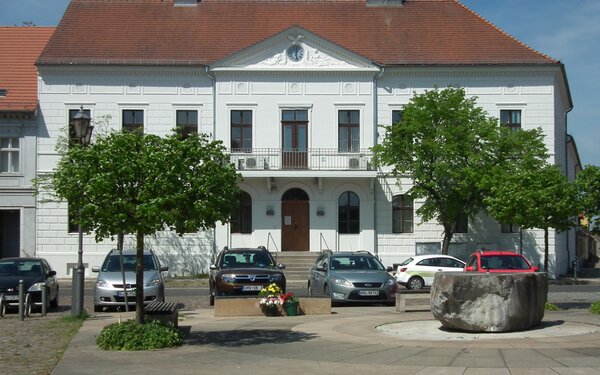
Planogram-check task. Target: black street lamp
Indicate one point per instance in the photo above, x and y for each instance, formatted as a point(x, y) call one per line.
point(83, 134)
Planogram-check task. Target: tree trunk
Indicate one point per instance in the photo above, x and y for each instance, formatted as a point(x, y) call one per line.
point(139, 278)
point(545, 249)
point(448, 232)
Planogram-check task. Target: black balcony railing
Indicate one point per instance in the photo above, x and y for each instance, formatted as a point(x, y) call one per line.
point(323, 159)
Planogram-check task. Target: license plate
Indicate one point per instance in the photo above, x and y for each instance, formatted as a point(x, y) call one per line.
point(251, 288)
point(13, 297)
point(368, 292)
point(130, 293)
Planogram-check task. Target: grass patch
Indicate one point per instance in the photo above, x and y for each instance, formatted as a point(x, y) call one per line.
point(595, 307)
point(551, 307)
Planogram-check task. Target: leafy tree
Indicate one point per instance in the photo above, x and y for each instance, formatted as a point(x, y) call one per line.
point(451, 148)
point(534, 198)
point(139, 184)
point(588, 187)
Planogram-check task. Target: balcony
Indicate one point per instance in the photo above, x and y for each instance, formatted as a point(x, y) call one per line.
point(311, 159)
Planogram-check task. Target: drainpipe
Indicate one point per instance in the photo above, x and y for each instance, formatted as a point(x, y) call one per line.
point(574, 257)
point(376, 140)
point(214, 132)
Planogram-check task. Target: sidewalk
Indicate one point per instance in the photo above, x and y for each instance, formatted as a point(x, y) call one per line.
point(350, 341)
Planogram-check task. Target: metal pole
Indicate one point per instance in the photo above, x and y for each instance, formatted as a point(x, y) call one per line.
point(78, 279)
point(44, 299)
point(21, 300)
point(120, 248)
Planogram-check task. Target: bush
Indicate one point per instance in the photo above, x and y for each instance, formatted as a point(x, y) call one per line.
point(595, 307)
point(551, 307)
point(131, 335)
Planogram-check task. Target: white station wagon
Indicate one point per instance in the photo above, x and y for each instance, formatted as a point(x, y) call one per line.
point(418, 271)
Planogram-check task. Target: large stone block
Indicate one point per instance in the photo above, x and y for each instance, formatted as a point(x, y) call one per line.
point(489, 302)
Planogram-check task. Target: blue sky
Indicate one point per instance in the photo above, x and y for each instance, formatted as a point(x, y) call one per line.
point(566, 30)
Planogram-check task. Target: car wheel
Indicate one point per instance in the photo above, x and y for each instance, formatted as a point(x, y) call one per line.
point(2, 306)
point(415, 283)
point(97, 308)
point(54, 302)
point(28, 305)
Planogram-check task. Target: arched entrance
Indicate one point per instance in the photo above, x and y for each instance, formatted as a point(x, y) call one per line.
point(295, 220)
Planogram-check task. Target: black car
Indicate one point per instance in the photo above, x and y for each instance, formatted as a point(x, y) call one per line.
point(244, 271)
point(34, 272)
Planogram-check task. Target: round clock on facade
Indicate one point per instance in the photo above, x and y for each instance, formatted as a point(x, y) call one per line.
point(295, 52)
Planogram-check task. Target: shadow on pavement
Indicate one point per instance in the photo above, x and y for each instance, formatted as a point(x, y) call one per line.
point(239, 338)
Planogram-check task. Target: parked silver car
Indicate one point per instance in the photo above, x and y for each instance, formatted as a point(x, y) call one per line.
point(352, 276)
point(109, 290)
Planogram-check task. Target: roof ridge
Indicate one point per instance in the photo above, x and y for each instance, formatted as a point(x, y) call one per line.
point(504, 32)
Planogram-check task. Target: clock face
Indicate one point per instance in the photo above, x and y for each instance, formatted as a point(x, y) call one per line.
point(295, 52)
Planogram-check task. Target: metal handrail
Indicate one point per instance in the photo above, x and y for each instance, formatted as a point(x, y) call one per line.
point(321, 241)
point(270, 237)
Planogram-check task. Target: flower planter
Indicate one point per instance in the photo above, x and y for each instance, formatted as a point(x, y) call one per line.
point(291, 308)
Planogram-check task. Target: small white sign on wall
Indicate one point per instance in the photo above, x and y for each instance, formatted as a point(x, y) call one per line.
point(287, 220)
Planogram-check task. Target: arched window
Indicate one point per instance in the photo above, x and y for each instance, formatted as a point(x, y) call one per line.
point(348, 213)
point(241, 219)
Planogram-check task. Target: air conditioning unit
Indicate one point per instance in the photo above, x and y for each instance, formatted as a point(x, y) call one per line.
point(353, 163)
point(251, 162)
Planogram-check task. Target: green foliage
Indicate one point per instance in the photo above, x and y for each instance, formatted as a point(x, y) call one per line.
point(131, 335)
point(77, 318)
point(595, 307)
point(588, 188)
point(551, 307)
point(451, 149)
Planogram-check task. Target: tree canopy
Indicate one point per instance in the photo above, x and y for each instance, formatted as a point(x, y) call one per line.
point(452, 149)
point(139, 184)
point(588, 188)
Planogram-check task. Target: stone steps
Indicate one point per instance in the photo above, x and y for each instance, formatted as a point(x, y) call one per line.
point(297, 265)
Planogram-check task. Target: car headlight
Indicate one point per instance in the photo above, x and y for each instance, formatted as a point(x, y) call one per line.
point(390, 282)
point(229, 279)
point(341, 281)
point(154, 282)
point(37, 287)
point(276, 277)
point(101, 284)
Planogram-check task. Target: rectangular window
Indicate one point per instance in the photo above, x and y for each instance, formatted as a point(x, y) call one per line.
point(402, 214)
point(241, 131)
point(187, 122)
point(9, 155)
point(462, 224)
point(348, 131)
point(509, 228)
point(511, 118)
point(396, 116)
point(73, 227)
point(133, 119)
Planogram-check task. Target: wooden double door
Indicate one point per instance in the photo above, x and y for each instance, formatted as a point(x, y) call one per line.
point(295, 223)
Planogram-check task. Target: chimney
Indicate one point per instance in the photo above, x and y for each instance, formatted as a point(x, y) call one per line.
point(385, 3)
point(184, 3)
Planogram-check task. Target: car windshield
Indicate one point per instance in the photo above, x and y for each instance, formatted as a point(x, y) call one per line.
point(503, 262)
point(113, 263)
point(20, 268)
point(406, 262)
point(356, 262)
point(246, 259)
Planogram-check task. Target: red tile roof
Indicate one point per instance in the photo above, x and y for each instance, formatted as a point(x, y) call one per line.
point(421, 32)
point(19, 49)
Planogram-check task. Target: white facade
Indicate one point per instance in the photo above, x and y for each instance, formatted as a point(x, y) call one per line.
point(264, 81)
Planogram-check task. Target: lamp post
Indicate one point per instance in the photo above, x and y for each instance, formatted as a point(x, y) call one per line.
point(83, 134)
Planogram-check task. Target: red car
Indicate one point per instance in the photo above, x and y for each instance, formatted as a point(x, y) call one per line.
point(498, 261)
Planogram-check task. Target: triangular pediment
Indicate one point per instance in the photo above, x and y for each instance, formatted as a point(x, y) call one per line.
point(317, 54)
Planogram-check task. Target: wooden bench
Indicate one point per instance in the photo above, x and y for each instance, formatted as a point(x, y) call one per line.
point(164, 312)
point(413, 300)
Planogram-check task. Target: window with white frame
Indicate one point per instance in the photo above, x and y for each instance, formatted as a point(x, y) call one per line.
point(509, 228)
point(397, 115)
point(402, 214)
point(186, 122)
point(133, 119)
point(348, 213)
point(9, 155)
point(241, 130)
point(511, 118)
point(348, 130)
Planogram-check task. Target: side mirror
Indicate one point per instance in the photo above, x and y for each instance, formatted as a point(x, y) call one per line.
point(320, 268)
point(95, 269)
point(390, 269)
point(469, 268)
point(281, 266)
point(164, 268)
point(52, 273)
point(535, 269)
point(213, 267)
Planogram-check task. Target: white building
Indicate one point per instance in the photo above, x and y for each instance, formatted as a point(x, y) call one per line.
point(296, 90)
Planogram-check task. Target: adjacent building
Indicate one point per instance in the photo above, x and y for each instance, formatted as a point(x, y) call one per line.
point(297, 91)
